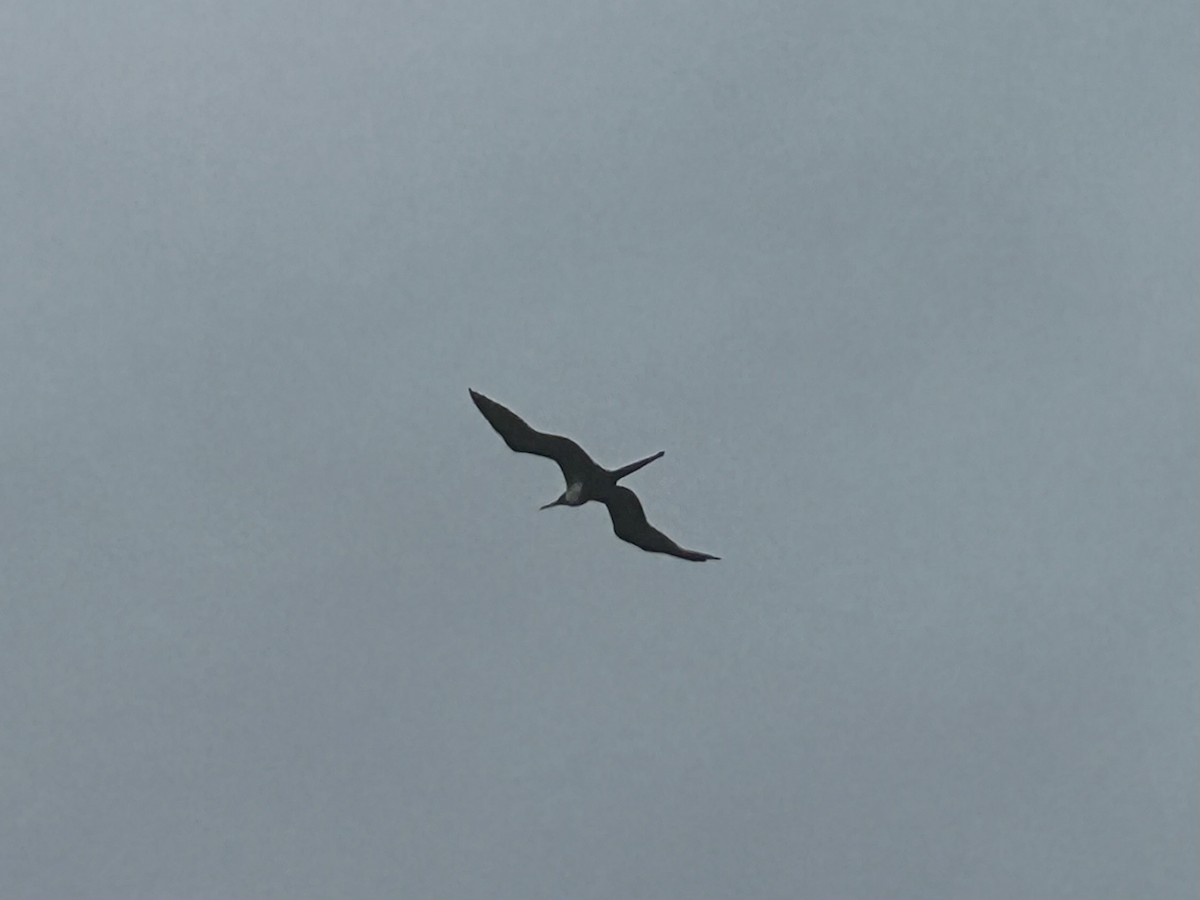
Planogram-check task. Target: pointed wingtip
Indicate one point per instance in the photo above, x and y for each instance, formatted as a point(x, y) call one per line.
point(481, 402)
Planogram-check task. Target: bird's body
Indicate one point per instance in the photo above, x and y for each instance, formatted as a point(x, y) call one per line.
point(586, 479)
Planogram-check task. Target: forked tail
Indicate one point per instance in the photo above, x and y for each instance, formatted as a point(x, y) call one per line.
point(620, 473)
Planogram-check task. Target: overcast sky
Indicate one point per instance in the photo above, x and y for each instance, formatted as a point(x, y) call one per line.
point(907, 292)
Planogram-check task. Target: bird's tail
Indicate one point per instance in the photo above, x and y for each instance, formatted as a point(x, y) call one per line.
point(620, 473)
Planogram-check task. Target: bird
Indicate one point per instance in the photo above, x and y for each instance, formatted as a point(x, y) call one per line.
point(586, 479)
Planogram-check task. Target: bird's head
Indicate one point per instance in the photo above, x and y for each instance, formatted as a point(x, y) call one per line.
point(570, 497)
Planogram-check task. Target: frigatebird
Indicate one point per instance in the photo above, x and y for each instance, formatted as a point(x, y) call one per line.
point(586, 480)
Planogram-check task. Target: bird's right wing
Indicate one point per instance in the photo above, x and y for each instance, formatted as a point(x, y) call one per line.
point(571, 458)
point(629, 524)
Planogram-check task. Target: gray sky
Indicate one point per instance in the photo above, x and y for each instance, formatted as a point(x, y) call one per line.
point(906, 292)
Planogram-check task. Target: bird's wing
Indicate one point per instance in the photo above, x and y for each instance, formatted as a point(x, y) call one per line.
point(629, 524)
point(571, 458)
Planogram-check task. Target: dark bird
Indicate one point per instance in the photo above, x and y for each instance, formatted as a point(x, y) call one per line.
point(586, 480)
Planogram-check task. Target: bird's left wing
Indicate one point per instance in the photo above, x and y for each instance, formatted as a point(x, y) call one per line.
point(519, 436)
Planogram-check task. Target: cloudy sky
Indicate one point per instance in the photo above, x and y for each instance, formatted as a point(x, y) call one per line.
point(906, 292)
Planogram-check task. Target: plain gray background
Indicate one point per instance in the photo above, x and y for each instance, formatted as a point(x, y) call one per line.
point(906, 292)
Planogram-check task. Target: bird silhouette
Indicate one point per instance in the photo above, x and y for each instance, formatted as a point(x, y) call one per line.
point(586, 479)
